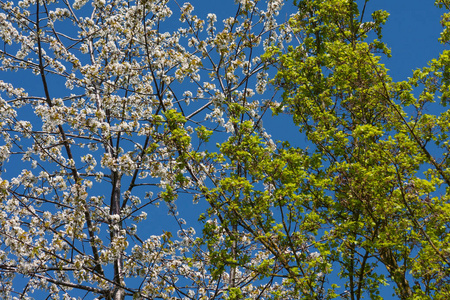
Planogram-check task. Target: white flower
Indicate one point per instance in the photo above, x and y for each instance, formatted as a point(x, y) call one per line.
point(4, 153)
point(229, 127)
point(249, 93)
point(314, 255)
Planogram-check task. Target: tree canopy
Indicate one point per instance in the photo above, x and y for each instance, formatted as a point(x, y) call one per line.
point(136, 161)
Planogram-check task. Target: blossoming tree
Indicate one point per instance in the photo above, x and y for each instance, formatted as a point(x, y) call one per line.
point(107, 118)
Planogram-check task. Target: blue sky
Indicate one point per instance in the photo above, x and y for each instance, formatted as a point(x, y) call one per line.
point(412, 33)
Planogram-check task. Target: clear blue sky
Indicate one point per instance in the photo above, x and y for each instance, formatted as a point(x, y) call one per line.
point(411, 32)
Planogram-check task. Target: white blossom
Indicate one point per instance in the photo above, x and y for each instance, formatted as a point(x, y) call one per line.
point(88, 148)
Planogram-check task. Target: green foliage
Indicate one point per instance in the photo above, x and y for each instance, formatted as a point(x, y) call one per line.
point(368, 201)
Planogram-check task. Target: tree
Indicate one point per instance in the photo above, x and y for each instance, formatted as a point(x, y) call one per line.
point(108, 118)
point(124, 112)
point(365, 204)
point(383, 169)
